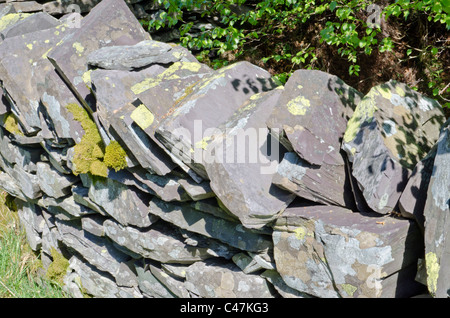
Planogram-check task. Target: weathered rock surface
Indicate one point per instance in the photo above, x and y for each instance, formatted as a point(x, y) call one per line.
point(392, 129)
point(436, 212)
point(229, 184)
point(110, 19)
point(318, 171)
point(328, 251)
point(241, 160)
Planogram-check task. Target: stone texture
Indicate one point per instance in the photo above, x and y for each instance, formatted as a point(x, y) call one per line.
point(436, 211)
point(224, 280)
point(392, 129)
point(233, 234)
point(109, 23)
point(131, 57)
point(241, 169)
point(328, 251)
point(208, 104)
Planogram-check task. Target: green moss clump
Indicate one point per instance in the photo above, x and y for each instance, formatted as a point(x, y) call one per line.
point(115, 156)
point(89, 152)
point(58, 268)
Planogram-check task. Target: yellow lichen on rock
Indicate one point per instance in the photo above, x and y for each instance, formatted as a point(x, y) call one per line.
point(298, 106)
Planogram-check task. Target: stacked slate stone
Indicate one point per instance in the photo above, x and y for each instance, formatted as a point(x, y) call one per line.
point(156, 176)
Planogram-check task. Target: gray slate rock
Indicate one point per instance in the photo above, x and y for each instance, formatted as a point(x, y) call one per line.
point(310, 120)
point(109, 23)
point(392, 129)
point(436, 212)
point(131, 57)
point(188, 128)
point(328, 251)
point(217, 279)
point(241, 170)
point(231, 233)
point(32, 23)
point(52, 182)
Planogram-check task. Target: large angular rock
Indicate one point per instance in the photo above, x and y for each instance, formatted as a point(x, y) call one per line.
point(23, 67)
point(437, 224)
point(54, 100)
point(241, 160)
point(328, 251)
point(231, 233)
point(208, 103)
point(392, 129)
point(217, 279)
point(32, 221)
point(31, 23)
point(108, 23)
point(310, 119)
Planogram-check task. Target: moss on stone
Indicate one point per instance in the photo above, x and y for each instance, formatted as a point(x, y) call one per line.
point(89, 152)
point(58, 268)
point(115, 156)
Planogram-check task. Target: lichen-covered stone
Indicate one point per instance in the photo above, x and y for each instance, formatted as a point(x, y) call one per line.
point(437, 224)
point(392, 129)
point(328, 251)
point(109, 23)
point(217, 279)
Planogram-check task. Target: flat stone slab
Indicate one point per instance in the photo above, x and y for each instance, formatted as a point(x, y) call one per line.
point(437, 225)
point(108, 23)
point(241, 159)
point(23, 68)
point(392, 129)
point(31, 23)
point(231, 233)
point(310, 120)
point(160, 242)
point(205, 106)
point(98, 251)
point(311, 115)
point(325, 184)
point(132, 57)
point(216, 279)
point(54, 183)
point(127, 205)
point(328, 251)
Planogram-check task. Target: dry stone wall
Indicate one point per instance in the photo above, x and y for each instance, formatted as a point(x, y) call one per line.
point(156, 176)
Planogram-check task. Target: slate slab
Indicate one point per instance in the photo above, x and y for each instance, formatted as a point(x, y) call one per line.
point(31, 23)
point(132, 57)
point(52, 182)
point(436, 212)
point(310, 120)
point(109, 23)
point(231, 233)
point(23, 67)
point(98, 252)
point(328, 251)
point(160, 242)
point(188, 128)
point(241, 160)
point(392, 129)
point(216, 279)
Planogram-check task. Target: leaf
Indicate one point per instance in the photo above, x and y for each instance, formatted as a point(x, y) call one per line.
point(333, 5)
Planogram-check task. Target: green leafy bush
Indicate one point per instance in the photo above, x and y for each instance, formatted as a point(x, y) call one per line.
point(273, 27)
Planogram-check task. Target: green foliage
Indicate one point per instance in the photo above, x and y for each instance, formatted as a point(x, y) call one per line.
point(344, 25)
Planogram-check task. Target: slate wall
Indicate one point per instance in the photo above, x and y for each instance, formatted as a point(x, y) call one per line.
point(156, 176)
